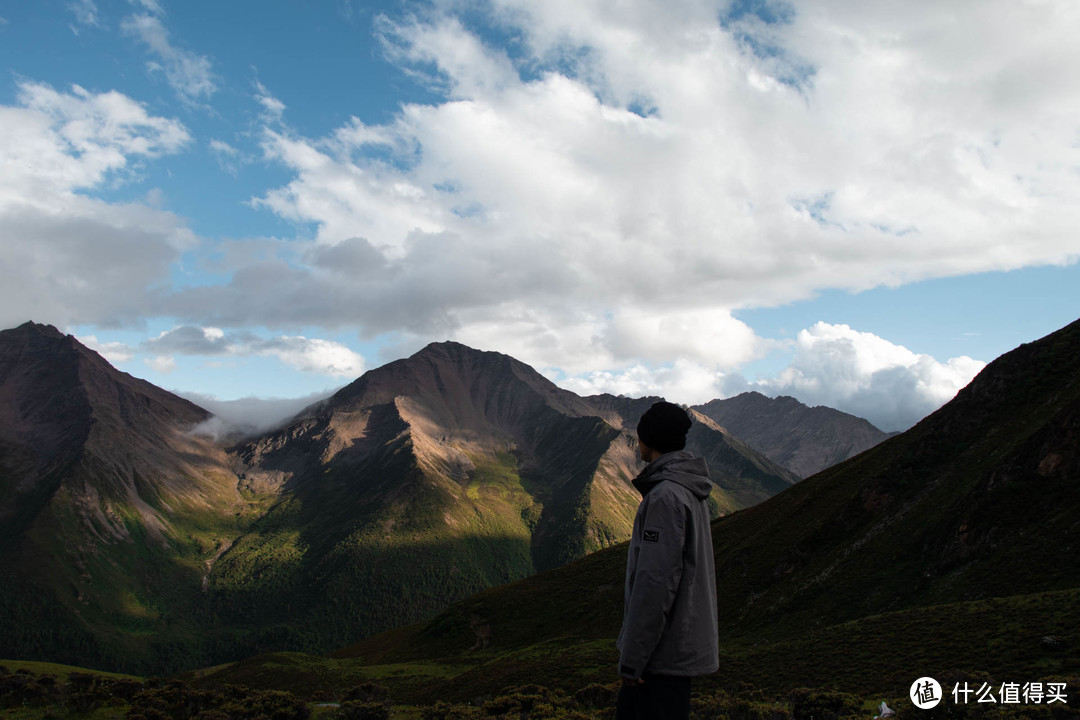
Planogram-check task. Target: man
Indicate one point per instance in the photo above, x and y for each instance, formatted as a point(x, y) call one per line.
point(669, 631)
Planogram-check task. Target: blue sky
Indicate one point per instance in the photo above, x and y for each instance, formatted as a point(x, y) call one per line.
point(855, 204)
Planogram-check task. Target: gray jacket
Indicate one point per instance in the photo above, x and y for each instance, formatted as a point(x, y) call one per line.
point(669, 618)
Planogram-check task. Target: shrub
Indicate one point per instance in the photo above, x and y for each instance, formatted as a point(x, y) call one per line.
point(84, 692)
point(445, 711)
point(808, 704)
point(360, 710)
point(124, 689)
point(179, 702)
point(213, 715)
point(24, 688)
point(368, 692)
point(596, 696)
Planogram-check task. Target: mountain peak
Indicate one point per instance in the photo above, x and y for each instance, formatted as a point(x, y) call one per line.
point(44, 344)
point(46, 369)
point(31, 335)
point(448, 346)
point(453, 351)
point(455, 377)
point(32, 327)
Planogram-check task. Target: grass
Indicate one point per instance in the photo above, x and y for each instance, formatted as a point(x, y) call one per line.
point(60, 672)
point(883, 654)
point(873, 657)
point(854, 665)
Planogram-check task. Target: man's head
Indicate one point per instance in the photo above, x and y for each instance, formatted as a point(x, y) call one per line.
point(663, 428)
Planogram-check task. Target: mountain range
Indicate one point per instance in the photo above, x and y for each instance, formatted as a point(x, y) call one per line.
point(129, 540)
point(948, 551)
point(805, 440)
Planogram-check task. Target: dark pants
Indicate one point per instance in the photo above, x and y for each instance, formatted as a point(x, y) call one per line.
point(661, 697)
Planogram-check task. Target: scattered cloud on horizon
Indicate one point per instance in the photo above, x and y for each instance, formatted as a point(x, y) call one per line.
point(163, 364)
point(115, 352)
point(868, 376)
point(833, 365)
point(683, 381)
point(309, 355)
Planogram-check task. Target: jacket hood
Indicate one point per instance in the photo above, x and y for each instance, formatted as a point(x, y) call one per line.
point(680, 467)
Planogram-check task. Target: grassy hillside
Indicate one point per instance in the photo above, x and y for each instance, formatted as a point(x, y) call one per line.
point(133, 602)
point(979, 500)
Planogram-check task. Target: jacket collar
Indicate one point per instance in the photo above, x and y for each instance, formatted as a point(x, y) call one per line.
point(680, 466)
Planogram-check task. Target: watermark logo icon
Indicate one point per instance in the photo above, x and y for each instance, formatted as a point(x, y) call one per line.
point(925, 693)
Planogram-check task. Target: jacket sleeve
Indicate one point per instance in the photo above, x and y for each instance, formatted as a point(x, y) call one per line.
point(655, 583)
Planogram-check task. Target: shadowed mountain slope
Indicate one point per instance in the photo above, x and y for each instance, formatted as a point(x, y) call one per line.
point(107, 503)
point(805, 440)
point(978, 501)
point(61, 403)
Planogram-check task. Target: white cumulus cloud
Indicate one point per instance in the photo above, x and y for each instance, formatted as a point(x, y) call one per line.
point(626, 178)
point(683, 381)
point(70, 259)
point(868, 376)
point(314, 355)
point(56, 142)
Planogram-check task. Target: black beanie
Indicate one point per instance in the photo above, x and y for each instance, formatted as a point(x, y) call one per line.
point(663, 427)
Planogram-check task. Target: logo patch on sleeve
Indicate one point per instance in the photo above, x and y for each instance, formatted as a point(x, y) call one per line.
point(651, 536)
